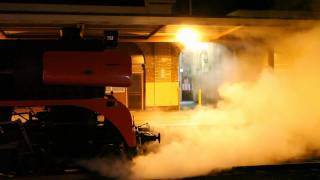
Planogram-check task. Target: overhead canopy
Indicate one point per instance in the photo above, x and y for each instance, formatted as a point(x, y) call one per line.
point(140, 21)
point(133, 28)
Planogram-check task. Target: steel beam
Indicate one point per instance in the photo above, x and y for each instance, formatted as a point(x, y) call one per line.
point(68, 19)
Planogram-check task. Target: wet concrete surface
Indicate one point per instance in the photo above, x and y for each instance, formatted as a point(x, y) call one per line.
point(301, 171)
point(293, 171)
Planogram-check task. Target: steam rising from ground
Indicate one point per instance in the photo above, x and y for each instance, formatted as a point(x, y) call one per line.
point(274, 119)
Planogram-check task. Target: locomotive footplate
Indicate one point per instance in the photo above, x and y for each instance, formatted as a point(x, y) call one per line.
point(145, 134)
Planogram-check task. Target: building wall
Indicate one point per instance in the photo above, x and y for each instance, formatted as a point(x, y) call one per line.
point(161, 68)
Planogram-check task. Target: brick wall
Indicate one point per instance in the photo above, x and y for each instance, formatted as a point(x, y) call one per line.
point(148, 53)
point(161, 68)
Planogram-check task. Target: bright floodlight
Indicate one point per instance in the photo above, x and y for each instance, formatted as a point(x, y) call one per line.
point(187, 37)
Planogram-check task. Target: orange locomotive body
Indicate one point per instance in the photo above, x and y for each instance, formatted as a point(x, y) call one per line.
point(53, 107)
point(87, 68)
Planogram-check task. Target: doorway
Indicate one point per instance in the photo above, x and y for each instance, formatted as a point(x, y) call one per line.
point(202, 70)
point(185, 80)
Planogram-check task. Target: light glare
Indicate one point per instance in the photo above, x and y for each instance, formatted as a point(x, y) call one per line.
point(187, 37)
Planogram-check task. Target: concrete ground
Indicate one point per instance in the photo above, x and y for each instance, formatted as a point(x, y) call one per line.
point(300, 171)
point(162, 118)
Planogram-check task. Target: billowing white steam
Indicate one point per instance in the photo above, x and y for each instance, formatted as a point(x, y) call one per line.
point(274, 119)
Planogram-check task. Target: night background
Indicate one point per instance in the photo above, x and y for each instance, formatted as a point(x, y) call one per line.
point(200, 7)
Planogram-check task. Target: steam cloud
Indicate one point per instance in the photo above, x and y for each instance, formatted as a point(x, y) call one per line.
point(264, 117)
point(272, 119)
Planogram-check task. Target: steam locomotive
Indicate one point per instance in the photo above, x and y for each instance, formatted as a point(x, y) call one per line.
point(53, 107)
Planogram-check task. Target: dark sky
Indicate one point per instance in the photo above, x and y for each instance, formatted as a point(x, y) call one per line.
point(200, 7)
point(85, 2)
point(223, 7)
point(246, 4)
